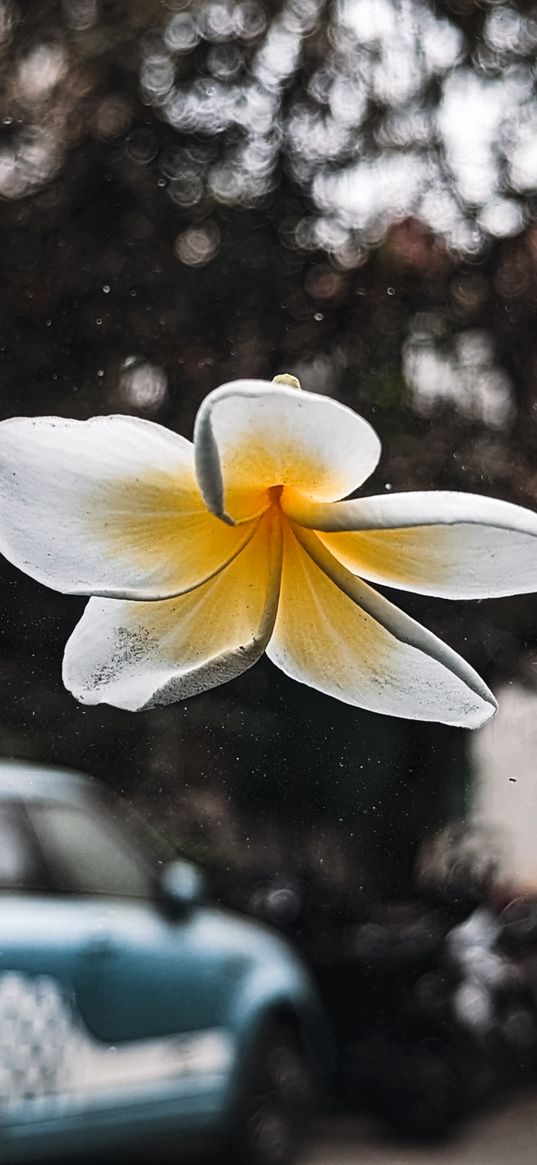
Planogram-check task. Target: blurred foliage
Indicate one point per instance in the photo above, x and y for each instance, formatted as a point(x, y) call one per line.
point(196, 191)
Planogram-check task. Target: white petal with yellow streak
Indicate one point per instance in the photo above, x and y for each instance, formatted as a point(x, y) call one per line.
point(252, 435)
point(139, 655)
point(460, 546)
point(337, 635)
point(108, 506)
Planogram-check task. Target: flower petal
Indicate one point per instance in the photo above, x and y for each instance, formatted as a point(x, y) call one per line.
point(108, 506)
point(139, 655)
point(251, 435)
point(461, 546)
point(337, 635)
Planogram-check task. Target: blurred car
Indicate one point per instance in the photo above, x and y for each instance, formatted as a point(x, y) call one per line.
point(130, 1007)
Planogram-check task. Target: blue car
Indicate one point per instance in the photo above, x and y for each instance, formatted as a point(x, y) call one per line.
point(132, 1009)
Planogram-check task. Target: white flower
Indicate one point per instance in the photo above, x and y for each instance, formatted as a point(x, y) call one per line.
point(201, 556)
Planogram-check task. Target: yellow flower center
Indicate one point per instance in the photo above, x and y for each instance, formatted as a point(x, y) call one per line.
point(274, 493)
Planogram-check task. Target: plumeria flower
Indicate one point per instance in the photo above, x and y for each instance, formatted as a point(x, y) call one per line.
point(200, 557)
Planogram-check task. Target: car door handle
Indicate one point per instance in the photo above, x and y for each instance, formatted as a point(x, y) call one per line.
point(100, 943)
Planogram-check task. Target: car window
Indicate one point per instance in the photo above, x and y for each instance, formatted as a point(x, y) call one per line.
point(86, 854)
point(18, 866)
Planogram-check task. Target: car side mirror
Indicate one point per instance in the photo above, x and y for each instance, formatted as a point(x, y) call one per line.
point(182, 887)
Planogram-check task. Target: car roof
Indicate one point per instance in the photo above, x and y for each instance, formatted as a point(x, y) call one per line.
point(30, 781)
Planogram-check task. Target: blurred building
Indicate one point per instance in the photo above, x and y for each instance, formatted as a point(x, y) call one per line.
point(505, 756)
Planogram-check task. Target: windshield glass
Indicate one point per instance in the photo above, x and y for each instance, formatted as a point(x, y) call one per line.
point(276, 618)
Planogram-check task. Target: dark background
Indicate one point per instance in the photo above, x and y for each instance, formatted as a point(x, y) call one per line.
point(194, 192)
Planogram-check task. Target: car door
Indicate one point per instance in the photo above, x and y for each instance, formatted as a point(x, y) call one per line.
point(34, 937)
point(40, 939)
point(140, 974)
